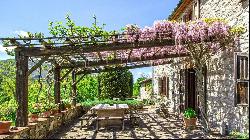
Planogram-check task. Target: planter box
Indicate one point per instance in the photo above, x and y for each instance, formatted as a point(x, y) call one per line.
point(5, 126)
point(190, 122)
point(46, 114)
point(33, 117)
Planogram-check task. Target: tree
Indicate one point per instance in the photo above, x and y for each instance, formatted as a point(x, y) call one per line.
point(136, 88)
point(116, 84)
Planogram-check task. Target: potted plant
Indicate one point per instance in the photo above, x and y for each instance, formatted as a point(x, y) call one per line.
point(190, 117)
point(5, 126)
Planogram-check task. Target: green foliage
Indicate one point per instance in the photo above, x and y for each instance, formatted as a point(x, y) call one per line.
point(87, 88)
point(116, 84)
point(189, 113)
point(239, 135)
point(8, 110)
point(70, 29)
point(111, 102)
point(136, 87)
point(148, 102)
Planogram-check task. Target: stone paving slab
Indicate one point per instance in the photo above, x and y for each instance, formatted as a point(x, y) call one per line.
point(151, 126)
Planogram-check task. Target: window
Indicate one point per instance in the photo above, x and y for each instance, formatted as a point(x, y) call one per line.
point(241, 79)
point(197, 9)
point(163, 86)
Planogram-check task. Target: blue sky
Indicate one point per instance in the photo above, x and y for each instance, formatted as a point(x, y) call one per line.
point(19, 16)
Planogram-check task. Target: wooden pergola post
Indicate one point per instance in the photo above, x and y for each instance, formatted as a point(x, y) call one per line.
point(21, 88)
point(57, 85)
point(73, 88)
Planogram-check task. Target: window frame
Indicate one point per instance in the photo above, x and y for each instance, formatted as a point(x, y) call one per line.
point(238, 80)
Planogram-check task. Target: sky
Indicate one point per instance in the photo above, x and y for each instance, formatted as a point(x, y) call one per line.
point(20, 16)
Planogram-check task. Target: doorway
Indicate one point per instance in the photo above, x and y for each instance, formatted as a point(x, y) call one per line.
point(188, 95)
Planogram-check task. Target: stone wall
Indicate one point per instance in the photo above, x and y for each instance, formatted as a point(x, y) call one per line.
point(221, 109)
point(44, 126)
point(220, 87)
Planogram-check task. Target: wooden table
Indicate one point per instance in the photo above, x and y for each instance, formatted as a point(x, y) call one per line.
point(107, 112)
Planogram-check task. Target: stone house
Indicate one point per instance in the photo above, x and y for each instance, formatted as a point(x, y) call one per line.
point(226, 80)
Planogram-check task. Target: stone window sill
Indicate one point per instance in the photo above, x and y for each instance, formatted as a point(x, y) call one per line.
point(242, 105)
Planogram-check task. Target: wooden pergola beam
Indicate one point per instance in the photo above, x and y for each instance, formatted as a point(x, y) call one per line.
point(66, 74)
point(76, 49)
point(84, 74)
point(21, 88)
point(38, 64)
point(119, 61)
point(88, 71)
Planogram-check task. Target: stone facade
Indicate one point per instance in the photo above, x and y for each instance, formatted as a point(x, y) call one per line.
point(221, 110)
point(44, 126)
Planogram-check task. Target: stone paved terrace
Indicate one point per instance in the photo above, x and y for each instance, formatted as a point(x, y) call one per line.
point(151, 126)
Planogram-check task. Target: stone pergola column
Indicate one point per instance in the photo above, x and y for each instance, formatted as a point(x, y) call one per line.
point(21, 88)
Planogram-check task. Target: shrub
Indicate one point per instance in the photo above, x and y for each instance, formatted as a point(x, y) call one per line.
point(90, 103)
point(189, 113)
point(238, 135)
point(116, 84)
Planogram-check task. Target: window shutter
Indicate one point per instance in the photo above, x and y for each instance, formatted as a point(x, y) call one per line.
point(164, 86)
point(241, 75)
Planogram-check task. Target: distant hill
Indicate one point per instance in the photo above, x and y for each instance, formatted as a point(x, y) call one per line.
point(35, 74)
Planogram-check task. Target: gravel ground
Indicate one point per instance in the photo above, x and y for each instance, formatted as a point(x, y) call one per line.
point(151, 126)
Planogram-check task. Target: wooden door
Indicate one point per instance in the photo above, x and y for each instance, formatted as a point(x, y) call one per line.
point(188, 94)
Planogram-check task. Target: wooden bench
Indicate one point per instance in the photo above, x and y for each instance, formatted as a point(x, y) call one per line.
point(110, 114)
point(134, 117)
point(86, 117)
point(107, 119)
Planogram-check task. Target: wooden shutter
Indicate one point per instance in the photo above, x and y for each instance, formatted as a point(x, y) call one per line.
point(167, 87)
point(241, 79)
point(164, 86)
point(160, 86)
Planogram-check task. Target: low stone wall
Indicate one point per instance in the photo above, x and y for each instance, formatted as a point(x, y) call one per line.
point(44, 126)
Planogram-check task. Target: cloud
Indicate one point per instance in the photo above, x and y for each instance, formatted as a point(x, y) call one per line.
point(21, 33)
point(2, 49)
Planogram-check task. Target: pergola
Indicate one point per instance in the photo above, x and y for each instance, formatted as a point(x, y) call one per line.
point(150, 46)
point(84, 57)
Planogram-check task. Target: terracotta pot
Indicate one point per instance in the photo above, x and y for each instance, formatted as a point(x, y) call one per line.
point(5, 126)
point(190, 122)
point(46, 114)
point(33, 117)
point(54, 111)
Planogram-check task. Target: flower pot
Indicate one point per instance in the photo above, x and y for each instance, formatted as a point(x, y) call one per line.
point(54, 111)
point(5, 126)
point(33, 117)
point(46, 114)
point(190, 122)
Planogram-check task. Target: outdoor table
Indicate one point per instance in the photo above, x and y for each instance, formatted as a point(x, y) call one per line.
point(107, 112)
